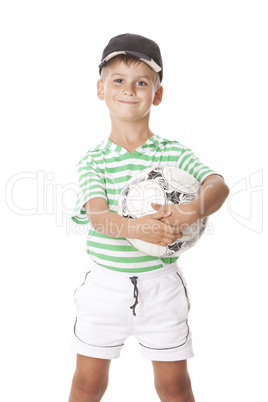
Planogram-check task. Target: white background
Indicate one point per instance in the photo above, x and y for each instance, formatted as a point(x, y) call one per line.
point(215, 101)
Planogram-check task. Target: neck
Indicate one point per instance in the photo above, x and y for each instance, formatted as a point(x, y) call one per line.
point(129, 135)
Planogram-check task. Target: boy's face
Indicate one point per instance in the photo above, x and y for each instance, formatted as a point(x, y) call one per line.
point(129, 90)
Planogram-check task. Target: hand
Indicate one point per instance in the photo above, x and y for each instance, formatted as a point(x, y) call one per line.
point(152, 229)
point(210, 198)
point(181, 217)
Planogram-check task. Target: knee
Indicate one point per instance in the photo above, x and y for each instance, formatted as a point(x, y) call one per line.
point(179, 392)
point(86, 390)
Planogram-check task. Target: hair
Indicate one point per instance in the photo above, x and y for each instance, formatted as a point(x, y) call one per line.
point(128, 60)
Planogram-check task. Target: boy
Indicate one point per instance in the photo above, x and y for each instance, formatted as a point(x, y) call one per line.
point(127, 292)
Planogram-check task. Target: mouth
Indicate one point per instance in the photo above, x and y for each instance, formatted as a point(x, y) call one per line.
point(127, 102)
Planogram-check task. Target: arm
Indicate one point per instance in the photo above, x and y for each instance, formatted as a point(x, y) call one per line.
point(211, 197)
point(148, 228)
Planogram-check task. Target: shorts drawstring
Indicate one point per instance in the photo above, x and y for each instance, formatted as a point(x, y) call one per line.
point(136, 293)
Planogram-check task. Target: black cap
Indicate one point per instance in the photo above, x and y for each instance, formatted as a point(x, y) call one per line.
point(137, 46)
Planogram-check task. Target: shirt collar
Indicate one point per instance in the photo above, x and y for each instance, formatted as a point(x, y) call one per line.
point(110, 146)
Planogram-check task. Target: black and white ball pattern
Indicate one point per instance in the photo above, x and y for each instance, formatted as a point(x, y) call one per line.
point(162, 185)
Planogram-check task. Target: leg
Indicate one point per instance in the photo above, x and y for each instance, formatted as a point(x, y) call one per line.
point(172, 381)
point(90, 379)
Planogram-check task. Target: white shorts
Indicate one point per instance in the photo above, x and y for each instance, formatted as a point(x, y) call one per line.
point(153, 306)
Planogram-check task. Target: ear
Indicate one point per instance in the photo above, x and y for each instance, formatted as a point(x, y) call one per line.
point(158, 96)
point(100, 90)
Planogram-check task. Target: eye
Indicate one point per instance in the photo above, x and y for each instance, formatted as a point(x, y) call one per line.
point(141, 83)
point(119, 81)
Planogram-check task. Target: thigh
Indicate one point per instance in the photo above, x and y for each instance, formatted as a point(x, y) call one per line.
point(90, 379)
point(169, 375)
point(172, 381)
point(92, 369)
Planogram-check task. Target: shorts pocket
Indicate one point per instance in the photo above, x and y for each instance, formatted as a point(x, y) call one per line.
point(183, 283)
point(81, 287)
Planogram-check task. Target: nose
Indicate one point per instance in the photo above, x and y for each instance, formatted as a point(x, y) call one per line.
point(128, 90)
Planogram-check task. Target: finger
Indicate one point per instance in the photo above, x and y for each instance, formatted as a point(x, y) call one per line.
point(178, 236)
point(175, 230)
point(169, 237)
point(161, 214)
point(160, 207)
point(165, 241)
point(174, 235)
point(170, 222)
point(156, 206)
point(162, 244)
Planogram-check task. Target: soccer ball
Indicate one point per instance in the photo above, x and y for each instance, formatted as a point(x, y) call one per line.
point(162, 185)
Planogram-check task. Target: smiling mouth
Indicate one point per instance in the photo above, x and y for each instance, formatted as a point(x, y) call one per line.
point(127, 102)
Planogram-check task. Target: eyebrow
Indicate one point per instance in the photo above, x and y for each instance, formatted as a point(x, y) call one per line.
point(137, 78)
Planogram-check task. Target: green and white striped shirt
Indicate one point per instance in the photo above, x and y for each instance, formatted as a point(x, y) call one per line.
point(103, 172)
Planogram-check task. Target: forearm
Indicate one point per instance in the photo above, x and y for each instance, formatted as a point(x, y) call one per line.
point(211, 197)
point(112, 224)
point(147, 228)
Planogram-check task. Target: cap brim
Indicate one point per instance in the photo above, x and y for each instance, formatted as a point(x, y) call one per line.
point(140, 56)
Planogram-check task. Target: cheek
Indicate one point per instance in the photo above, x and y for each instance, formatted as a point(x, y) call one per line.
point(111, 93)
point(150, 98)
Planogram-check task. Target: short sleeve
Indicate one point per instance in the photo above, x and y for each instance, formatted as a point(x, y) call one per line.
point(91, 185)
point(191, 164)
